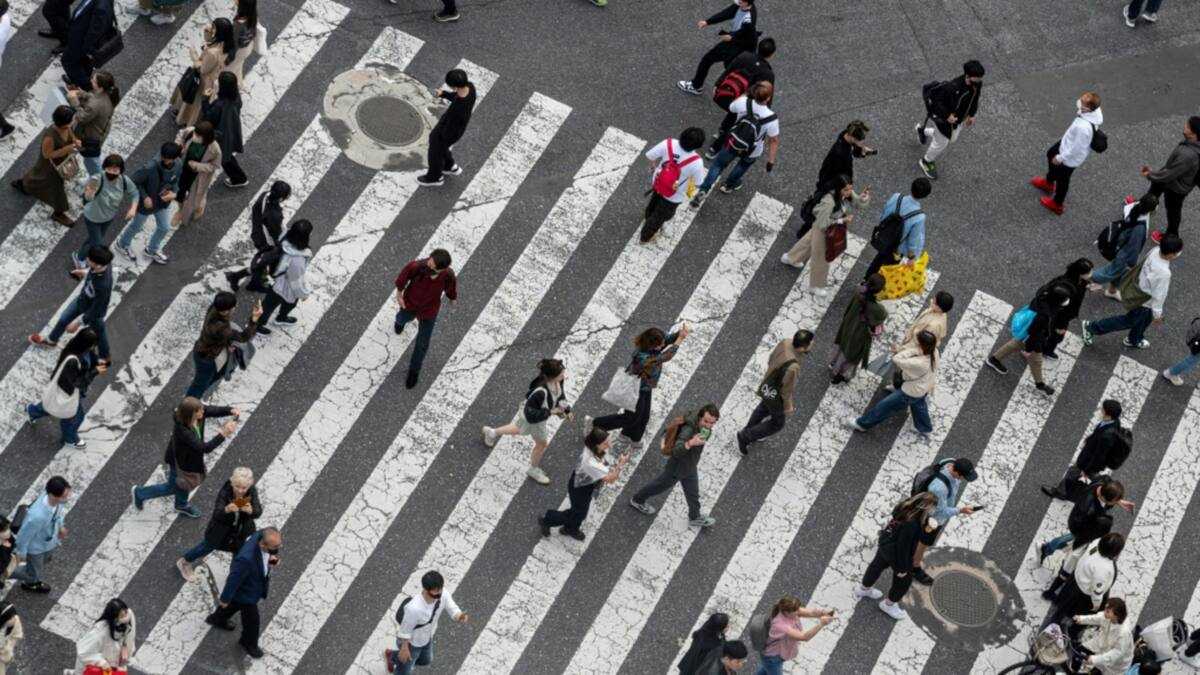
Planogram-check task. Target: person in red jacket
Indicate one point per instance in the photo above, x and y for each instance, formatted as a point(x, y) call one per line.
point(419, 289)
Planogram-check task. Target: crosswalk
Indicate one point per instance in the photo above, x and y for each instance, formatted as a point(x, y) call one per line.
point(595, 201)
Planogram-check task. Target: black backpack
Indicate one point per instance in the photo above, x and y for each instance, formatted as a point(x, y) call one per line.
point(1121, 447)
point(433, 615)
point(927, 94)
point(926, 476)
point(743, 136)
point(807, 217)
point(885, 238)
point(1109, 240)
point(263, 268)
point(1099, 140)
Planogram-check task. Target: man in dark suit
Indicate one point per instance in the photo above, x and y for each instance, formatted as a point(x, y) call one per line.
point(58, 14)
point(90, 24)
point(247, 584)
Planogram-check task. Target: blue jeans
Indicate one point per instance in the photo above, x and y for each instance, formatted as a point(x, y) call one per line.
point(162, 225)
point(1190, 361)
point(198, 551)
point(31, 571)
point(770, 665)
point(1135, 7)
point(1110, 273)
point(722, 160)
point(1136, 321)
point(144, 492)
point(73, 311)
point(95, 236)
point(1056, 543)
point(418, 656)
point(424, 333)
point(893, 404)
point(206, 374)
point(92, 164)
point(69, 426)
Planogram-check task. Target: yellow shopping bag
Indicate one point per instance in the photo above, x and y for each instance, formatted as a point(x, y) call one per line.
point(902, 280)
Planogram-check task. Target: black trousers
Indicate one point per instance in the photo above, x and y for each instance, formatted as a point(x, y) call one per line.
point(581, 501)
point(722, 52)
point(271, 302)
point(881, 258)
point(1173, 201)
point(632, 423)
point(233, 170)
point(448, 7)
point(726, 125)
point(1059, 174)
point(658, 212)
point(58, 14)
point(763, 422)
point(251, 622)
point(440, 158)
point(900, 584)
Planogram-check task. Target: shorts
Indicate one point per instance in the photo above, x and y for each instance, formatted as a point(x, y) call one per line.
point(538, 431)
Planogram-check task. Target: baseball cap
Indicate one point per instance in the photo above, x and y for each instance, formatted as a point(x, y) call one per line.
point(966, 468)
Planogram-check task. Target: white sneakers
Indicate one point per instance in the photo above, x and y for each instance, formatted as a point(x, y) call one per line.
point(536, 474)
point(872, 593)
point(1173, 379)
point(185, 570)
point(490, 437)
point(821, 291)
point(893, 610)
point(162, 19)
point(788, 261)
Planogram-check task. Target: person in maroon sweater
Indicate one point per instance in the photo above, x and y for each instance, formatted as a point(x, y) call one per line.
point(419, 289)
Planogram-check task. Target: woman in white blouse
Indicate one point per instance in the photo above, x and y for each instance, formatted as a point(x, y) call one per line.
point(1110, 643)
point(110, 642)
point(589, 474)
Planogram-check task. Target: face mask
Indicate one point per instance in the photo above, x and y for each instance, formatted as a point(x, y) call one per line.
point(273, 551)
point(121, 627)
point(112, 176)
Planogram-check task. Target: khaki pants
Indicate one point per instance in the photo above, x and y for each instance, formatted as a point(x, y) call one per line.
point(1034, 359)
point(811, 249)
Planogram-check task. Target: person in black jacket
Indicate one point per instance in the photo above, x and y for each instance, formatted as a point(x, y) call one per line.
point(1088, 521)
point(185, 454)
point(948, 106)
point(89, 307)
point(839, 161)
point(91, 21)
point(742, 36)
point(545, 397)
point(706, 638)
point(224, 112)
point(157, 183)
point(450, 128)
point(236, 508)
point(755, 67)
point(266, 226)
point(211, 355)
point(77, 366)
point(1106, 448)
point(1049, 301)
point(1077, 277)
point(910, 524)
point(58, 14)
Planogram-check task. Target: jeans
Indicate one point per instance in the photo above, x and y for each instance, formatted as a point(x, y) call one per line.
point(1185, 365)
point(95, 236)
point(251, 621)
point(580, 499)
point(900, 584)
point(439, 156)
point(162, 225)
point(418, 656)
point(722, 52)
point(198, 551)
point(144, 492)
point(667, 480)
point(31, 571)
point(722, 160)
point(424, 333)
point(1059, 174)
point(892, 404)
point(1136, 321)
point(1110, 273)
point(73, 311)
point(69, 426)
point(1136, 8)
point(658, 212)
point(206, 374)
point(1056, 543)
point(92, 164)
point(763, 423)
point(632, 423)
point(1173, 201)
point(770, 665)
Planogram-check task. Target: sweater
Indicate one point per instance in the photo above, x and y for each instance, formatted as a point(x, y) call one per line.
point(422, 290)
point(1179, 173)
point(187, 447)
point(98, 648)
point(930, 319)
point(1076, 142)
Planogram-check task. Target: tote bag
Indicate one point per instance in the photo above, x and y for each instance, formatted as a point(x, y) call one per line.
point(57, 402)
point(623, 390)
point(1022, 319)
point(902, 280)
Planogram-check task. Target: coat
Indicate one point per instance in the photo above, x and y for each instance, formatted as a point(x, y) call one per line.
point(289, 275)
point(247, 584)
point(954, 97)
point(703, 642)
point(186, 449)
point(217, 333)
point(90, 22)
point(93, 117)
point(98, 648)
point(212, 60)
point(226, 117)
point(861, 321)
point(203, 171)
point(1102, 449)
point(228, 531)
point(919, 372)
point(1111, 644)
point(1179, 173)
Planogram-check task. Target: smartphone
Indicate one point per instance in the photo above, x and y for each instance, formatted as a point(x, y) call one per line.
point(705, 434)
point(978, 507)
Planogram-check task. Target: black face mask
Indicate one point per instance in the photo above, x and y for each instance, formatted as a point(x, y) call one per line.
point(272, 551)
point(121, 628)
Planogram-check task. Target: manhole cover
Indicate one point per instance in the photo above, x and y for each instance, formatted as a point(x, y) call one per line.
point(389, 120)
point(964, 598)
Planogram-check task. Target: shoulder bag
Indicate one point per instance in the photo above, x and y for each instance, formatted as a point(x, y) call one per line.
point(57, 402)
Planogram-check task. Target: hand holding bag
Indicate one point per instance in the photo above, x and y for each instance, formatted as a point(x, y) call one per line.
point(57, 402)
point(623, 390)
point(901, 280)
point(68, 167)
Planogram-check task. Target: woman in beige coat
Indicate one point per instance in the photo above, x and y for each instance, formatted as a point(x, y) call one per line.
point(250, 36)
point(201, 160)
point(219, 51)
point(830, 210)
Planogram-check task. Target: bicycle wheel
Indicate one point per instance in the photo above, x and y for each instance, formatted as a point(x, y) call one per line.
point(1027, 667)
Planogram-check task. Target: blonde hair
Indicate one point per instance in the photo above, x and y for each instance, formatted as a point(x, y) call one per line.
point(242, 477)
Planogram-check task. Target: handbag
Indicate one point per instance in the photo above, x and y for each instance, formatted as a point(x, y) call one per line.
point(623, 390)
point(110, 45)
point(57, 402)
point(188, 480)
point(835, 241)
point(881, 365)
point(189, 85)
point(68, 167)
point(901, 280)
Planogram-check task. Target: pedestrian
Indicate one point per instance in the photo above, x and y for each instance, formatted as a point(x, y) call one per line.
point(652, 348)
point(1143, 291)
point(448, 13)
point(46, 180)
point(157, 183)
point(1177, 177)
point(839, 161)
point(1088, 520)
point(944, 480)
point(111, 641)
point(862, 321)
point(706, 638)
point(218, 53)
point(1030, 328)
point(91, 22)
point(1108, 648)
point(830, 208)
point(1069, 153)
point(58, 15)
point(200, 160)
point(1148, 9)
point(450, 127)
point(105, 196)
point(223, 108)
point(727, 660)
point(11, 633)
point(742, 36)
point(78, 364)
point(776, 391)
point(418, 619)
point(266, 226)
point(756, 129)
point(589, 474)
point(918, 370)
point(676, 172)
point(247, 584)
point(6, 33)
point(911, 523)
point(1174, 373)
point(250, 36)
point(787, 632)
point(90, 306)
point(949, 106)
point(933, 319)
point(185, 453)
point(1131, 238)
point(745, 71)
point(236, 508)
point(901, 229)
point(1105, 449)
point(419, 290)
point(1090, 580)
point(1077, 277)
point(288, 286)
point(211, 355)
point(546, 396)
point(683, 443)
point(93, 116)
point(8, 558)
point(41, 533)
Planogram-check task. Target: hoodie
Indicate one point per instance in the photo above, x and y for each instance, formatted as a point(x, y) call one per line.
point(1179, 173)
point(1076, 143)
point(289, 276)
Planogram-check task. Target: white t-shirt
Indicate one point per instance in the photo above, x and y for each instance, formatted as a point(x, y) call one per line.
point(760, 111)
point(420, 622)
point(691, 175)
point(590, 469)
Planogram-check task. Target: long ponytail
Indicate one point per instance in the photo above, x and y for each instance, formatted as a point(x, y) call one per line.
point(108, 84)
point(928, 344)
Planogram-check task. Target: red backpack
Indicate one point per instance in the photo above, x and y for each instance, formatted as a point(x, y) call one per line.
point(667, 180)
point(730, 88)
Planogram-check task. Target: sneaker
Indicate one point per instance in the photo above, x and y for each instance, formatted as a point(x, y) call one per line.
point(1132, 23)
point(1051, 205)
point(634, 446)
point(644, 508)
point(1156, 236)
point(821, 291)
point(37, 340)
point(743, 446)
point(1052, 355)
point(577, 535)
point(589, 423)
point(538, 476)
point(788, 261)
point(78, 445)
point(446, 17)
point(137, 9)
point(599, 3)
point(727, 189)
point(263, 330)
point(852, 423)
point(861, 593)
point(36, 587)
point(922, 577)
point(231, 184)
point(252, 652)
point(1095, 288)
point(162, 19)
point(1043, 552)
point(921, 137)
point(455, 170)
point(426, 182)
point(686, 87)
point(189, 511)
point(702, 522)
point(1152, 17)
point(159, 258)
point(127, 251)
point(1142, 344)
point(1112, 294)
point(1042, 184)
point(893, 610)
point(1053, 492)
point(185, 570)
point(25, 408)
point(6, 131)
point(995, 365)
point(698, 199)
point(930, 168)
point(543, 526)
point(137, 503)
point(490, 437)
point(710, 154)
point(77, 262)
point(1044, 388)
point(285, 320)
point(1085, 327)
point(1173, 379)
point(1049, 594)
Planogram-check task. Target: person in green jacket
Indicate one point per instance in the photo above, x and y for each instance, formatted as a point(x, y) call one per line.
point(683, 443)
point(862, 321)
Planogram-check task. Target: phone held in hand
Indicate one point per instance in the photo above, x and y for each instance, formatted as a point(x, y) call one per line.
point(705, 434)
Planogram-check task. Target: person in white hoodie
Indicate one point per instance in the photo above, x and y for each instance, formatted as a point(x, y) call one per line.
point(1110, 643)
point(111, 640)
point(1069, 152)
point(918, 368)
point(287, 281)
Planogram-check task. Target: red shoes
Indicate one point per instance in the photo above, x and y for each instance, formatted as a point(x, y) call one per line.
point(1042, 184)
point(1051, 205)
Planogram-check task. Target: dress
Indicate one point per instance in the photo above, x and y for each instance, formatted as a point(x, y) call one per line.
point(42, 181)
point(212, 59)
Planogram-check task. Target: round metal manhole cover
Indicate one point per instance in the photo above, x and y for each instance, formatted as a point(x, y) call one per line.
point(964, 598)
point(389, 120)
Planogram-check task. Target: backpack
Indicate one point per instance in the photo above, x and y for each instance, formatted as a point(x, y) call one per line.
point(886, 235)
point(927, 90)
point(743, 135)
point(926, 476)
point(263, 268)
point(1193, 336)
point(730, 88)
point(1099, 140)
point(759, 629)
point(666, 181)
point(807, 217)
point(1111, 238)
point(1122, 446)
point(671, 435)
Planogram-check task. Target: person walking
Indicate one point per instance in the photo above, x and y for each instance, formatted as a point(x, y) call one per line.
point(589, 474)
point(1131, 238)
point(1077, 277)
point(91, 22)
point(676, 172)
point(545, 397)
point(756, 130)
point(652, 348)
point(211, 354)
point(93, 116)
point(1087, 521)
point(248, 582)
point(745, 71)
point(6, 33)
point(236, 508)
point(861, 322)
point(223, 109)
point(1105, 449)
point(706, 638)
point(1148, 9)
point(949, 106)
point(40, 534)
point(450, 127)
point(419, 290)
point(776, 391)
point(1030, 328)
point(158, 184)
point(1177, 177)
point(218, 53)
point(90, 306)
point(447, 14)
point(266, 226)
point(902, 226)
point(110, 643)
point(934, 318)
point(11, 633)
point(727, 660)
point(105, 196)
point(1090, 580)
point(1143, 292)
point(945, 481)
point(787, 632)
point(200, 160)
point(742, 36)
point(1109, 648)
point(45, 180)
point(918, 370)
point(250, 36)
point(839, 161)
point(185, 453)
point(418, 619)
point(288, 287)
point(1069, 153)
point(78, 364)
point(829, 209)
point(1174, 374)
point(911, 522)
point(683, 443)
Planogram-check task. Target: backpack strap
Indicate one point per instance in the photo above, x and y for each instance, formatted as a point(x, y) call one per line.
point(670, 151)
